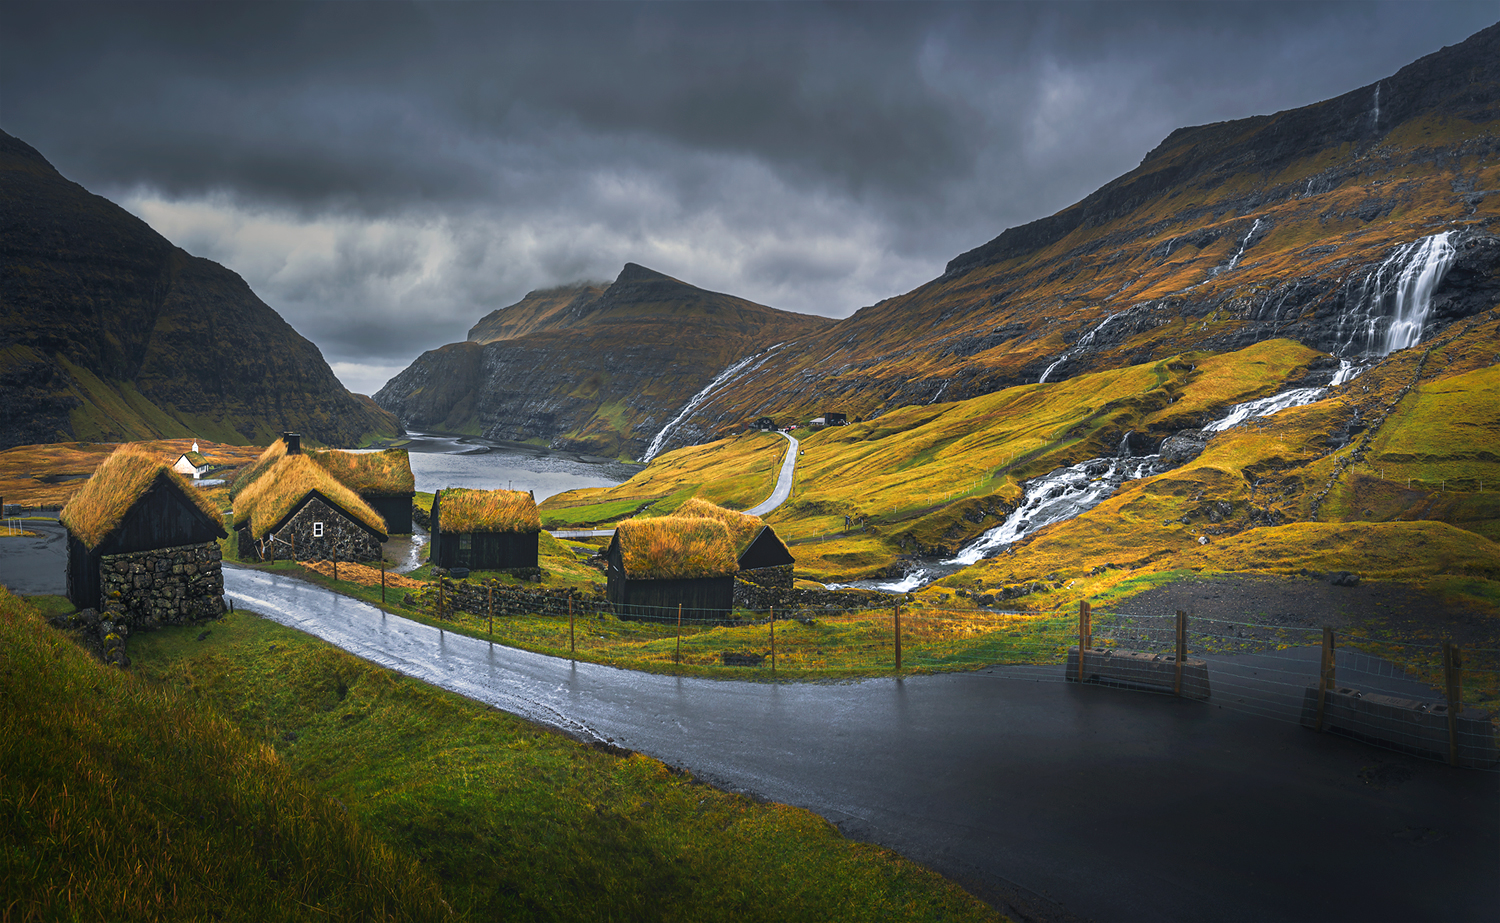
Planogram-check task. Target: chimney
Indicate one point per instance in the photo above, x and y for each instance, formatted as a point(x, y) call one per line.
point(293, 443)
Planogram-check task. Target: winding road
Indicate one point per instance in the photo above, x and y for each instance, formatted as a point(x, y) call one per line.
point(779, 495)
point(1054, 801)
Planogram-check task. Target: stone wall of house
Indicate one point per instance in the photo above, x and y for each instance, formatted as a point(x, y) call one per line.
point(509, 599)
point(340, 537)
point(163, 586)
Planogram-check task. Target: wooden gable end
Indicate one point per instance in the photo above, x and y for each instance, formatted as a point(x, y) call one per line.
point(161, 518)
point(766, 550)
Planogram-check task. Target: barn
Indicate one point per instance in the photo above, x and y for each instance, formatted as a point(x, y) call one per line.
point(761, 555)
point(382, 479)
point(296, 509)
point(142, 544)
point(655, 565)
point(484, 529)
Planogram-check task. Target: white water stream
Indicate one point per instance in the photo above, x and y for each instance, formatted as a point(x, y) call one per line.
point(696, 401)
point(1082, 343)
point(1394, 302)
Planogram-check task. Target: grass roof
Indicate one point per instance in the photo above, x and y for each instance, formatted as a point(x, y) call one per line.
point(98, 507)
point(384, 473)
point(676, 548)
point(273, 453)
point(197, 460)
point(743, 528)
point(284, 485)
point(463, 510)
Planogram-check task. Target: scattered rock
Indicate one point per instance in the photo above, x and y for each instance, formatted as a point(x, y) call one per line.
point(204, 634)
point(732, 659)
point(1343, 578)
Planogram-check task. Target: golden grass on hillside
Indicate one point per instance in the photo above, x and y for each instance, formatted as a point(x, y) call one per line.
point(96, 510)
point(48, 475)
point(462, 510)
point(384, 473)
point(743, 528)
point(676, 548)
point(284, 485)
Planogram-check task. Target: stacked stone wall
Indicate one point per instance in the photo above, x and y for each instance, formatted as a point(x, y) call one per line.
point(341, 536)
point(163, 586)
point(509, 599)
point(793, 600)
point(780, 576)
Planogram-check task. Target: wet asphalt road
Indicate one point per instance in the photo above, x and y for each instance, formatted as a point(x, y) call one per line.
point(36, 566)
point(1043, 797)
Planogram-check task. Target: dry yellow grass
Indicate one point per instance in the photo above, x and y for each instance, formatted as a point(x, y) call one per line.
point(362, 574)
point(676, 548)
point(284, 484)
point(97, 508)
point(273, 453)
point(31, 474)
point(463, 510)
point(743, 528)
point(384, 473)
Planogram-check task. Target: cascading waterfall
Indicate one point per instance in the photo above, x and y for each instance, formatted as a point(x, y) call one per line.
point(1082, 343)
point(723, 378)
point(1394, 302)
point(1235, 260)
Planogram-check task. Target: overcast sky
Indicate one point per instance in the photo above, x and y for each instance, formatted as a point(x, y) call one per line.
point(385, 174)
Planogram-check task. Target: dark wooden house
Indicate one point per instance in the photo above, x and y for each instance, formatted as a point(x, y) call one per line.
point(834, 418)
point(296, 509)
point(142, 544)
point(381, 479)
point(484, 529)
point(764, 423)
point(761, 555)
point(653, 566)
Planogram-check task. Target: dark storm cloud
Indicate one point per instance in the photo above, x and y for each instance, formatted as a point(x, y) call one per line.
point(416, 165)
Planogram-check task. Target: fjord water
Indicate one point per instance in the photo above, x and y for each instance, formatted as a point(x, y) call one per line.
point(464, 461)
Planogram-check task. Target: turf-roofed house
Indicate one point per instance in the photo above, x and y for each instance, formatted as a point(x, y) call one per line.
point(382, 479)
point(485, 529)
point(762, 556)
point(142, 544)
point(294, 508)
point(656, 565)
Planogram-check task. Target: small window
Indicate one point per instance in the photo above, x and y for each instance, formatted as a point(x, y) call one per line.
point(317, 530)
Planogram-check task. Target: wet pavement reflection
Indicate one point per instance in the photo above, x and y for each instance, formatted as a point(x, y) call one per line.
point(1042, 796)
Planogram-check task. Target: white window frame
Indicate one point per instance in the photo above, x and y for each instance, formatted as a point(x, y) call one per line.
point(317, 530)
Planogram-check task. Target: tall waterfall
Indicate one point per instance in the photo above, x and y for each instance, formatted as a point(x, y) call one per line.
point(1082, 343)
point(697, 400)
point(1235, 260)
point(1392, 305)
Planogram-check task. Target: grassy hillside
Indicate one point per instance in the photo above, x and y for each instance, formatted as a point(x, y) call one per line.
point(126, 800)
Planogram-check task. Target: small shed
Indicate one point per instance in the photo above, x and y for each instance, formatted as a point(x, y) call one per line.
point(382, 479)
point(763, 558)
point(142, 544)
point(484, 529)
point(817, 423)
point(296, 509)
point(655, 565)
point(764, 423)
point(834, 418)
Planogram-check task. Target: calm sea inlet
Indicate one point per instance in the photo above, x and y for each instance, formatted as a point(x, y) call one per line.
point(465, 461)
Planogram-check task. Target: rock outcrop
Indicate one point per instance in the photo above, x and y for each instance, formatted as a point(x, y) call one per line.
point(111, 333)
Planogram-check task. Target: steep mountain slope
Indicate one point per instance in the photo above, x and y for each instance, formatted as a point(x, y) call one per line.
point(109, 332)
point(588, 370)
point(1321, 224)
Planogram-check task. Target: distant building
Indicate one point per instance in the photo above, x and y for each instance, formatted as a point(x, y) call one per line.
point(654, 566)
point(484, 529)
point(296, 509)
point(817, 423)
point(142, 544)
point(191, 464)
point(764, 423)
point(833, 418)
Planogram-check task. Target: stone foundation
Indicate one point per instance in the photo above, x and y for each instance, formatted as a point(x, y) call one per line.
point(163, 586)
point(780, 576)
point(794, 602)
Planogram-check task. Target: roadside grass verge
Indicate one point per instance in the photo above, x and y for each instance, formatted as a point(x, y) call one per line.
point(127, 800)
point(518, 822)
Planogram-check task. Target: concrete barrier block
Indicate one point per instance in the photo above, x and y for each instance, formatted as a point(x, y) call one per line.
point(1403, 724)
point(1138, 669)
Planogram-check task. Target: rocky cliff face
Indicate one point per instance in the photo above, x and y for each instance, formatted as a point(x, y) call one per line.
point(1326, 224)
point(591, 369)
point(110, 332)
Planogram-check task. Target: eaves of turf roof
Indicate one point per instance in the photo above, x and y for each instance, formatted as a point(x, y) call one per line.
point(100, 505)
point(284, 488)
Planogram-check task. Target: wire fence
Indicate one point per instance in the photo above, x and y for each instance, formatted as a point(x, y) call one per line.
point(1430, 699)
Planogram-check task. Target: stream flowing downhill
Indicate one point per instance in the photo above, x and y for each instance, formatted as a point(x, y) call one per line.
point(696, 401)
point(1390, 310)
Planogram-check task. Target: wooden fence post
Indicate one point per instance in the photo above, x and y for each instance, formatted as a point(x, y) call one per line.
point(1325, 674)
point(571, 648)
point(773, 640)
point(382, 581)
point(678, 658)
point(1181, 652)
point(1085, 633)
point(898, 637)
point(491, 591)
point(1452, 679)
